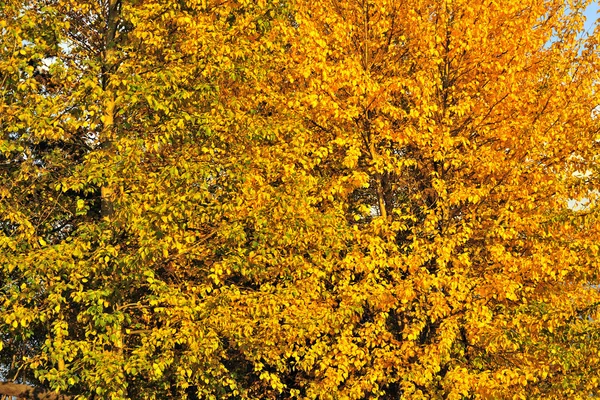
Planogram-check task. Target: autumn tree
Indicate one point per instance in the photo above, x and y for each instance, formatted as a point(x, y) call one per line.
point(290, 199)
point(124, 151)
point(454, 134)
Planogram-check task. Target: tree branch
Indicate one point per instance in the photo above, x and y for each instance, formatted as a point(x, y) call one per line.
point(27, 392)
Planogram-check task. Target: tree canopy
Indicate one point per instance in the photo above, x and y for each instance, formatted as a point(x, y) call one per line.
point(278, 199)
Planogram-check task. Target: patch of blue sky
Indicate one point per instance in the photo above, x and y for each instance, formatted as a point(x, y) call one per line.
point(591, 15)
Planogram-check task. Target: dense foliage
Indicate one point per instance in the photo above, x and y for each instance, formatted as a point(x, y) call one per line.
point(325, 199)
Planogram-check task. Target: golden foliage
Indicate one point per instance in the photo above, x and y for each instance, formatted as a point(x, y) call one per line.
point(291, 199)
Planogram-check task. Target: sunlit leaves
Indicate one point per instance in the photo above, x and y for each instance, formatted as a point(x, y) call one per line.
point(325, 199)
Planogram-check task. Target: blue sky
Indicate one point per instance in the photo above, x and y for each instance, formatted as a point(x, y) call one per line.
point(592, 14)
